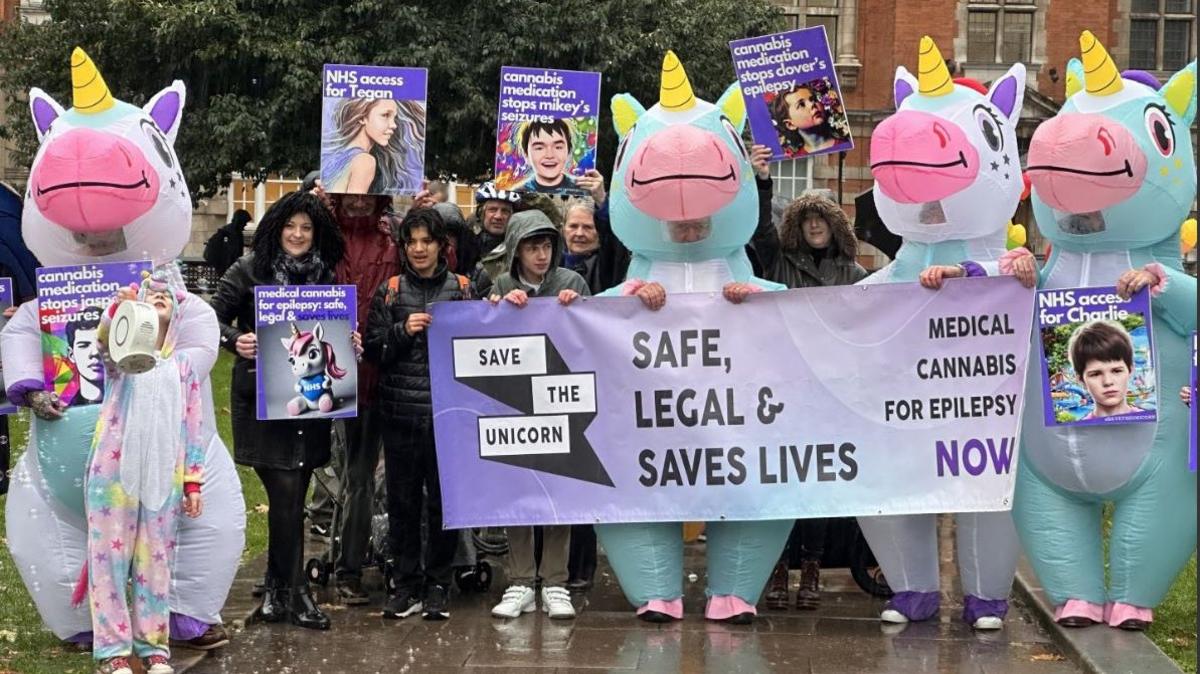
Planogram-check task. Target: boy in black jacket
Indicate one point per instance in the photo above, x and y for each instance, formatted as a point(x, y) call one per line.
point(396, 340)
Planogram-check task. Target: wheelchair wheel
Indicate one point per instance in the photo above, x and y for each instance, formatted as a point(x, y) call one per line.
point(866, 571)
point(317, 571)
point(483, 576)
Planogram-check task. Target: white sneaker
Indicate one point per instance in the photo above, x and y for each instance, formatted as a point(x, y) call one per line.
point(893, 616)
point(517, 599)
point(988, 622)
point(556, 602)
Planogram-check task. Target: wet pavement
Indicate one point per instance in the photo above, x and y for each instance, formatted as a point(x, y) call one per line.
point(845, 635)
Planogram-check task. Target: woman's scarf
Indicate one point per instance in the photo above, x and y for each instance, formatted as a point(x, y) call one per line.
point(308, 269)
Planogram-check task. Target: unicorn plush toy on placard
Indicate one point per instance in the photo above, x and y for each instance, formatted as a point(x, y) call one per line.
point(106, 186)
point(314, 364)
point(1113, 178)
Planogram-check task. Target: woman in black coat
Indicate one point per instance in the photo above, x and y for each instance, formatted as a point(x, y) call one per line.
point(297, 243)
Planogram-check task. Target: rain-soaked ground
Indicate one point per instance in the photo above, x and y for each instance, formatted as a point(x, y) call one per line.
point(845, 635)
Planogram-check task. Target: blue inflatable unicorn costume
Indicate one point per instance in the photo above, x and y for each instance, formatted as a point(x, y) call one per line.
point(947, 179)
point(684, 201)
point(1113, 177)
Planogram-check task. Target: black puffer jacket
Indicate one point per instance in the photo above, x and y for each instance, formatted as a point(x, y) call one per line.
point(403, 360)
point(292, 444)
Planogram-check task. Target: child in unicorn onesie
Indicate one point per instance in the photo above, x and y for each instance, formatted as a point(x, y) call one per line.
point(947, 179)
point(146, 462)
point(1113, 177)
point(684, 201)
point(106, 186)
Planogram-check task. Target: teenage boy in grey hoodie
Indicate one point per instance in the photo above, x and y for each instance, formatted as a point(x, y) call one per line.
point(534, 248)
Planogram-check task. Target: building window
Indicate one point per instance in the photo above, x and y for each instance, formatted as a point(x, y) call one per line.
point(811, 13)
point(792, 177)
point(1000, 31)
point(1160, 34)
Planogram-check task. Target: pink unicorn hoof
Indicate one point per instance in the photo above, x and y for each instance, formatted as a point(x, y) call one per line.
point(325, 403)
point(293, 408)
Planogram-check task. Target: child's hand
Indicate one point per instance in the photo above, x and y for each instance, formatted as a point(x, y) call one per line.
point(567, 296)
point(193, 505)
point(1185, 395)
point(10, 312)
point(653, 295)
point(416, 322)
point(933, 276)
point(126, 294)
point(356, 342)
point(517, 298)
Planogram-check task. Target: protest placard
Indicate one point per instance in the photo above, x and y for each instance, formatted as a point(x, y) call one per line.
point(546, 128)
point(6, 301)
point(792, 98)
point(71, 300)
point(373, 129)
point(306, 367)
point(1097, 357)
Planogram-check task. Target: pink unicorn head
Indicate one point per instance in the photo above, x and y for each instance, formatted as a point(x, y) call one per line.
point(310, 354)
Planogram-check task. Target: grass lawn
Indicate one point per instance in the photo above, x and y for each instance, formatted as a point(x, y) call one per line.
point(25, 645)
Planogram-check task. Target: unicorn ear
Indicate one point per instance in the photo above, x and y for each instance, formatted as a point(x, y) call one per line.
point(903, 86)
point(734, 106)
point(318, 333)
point(44, 110)
point(626, 112)
point(1074, 77)
point(1008, 92)
point(166, 108)
point(286, 342)
point(1180, 93)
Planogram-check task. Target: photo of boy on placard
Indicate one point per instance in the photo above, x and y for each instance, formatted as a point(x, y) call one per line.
point(1100, 371)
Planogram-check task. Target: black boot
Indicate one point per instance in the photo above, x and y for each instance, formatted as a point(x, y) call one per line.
point(305, 612)
point(276, 601)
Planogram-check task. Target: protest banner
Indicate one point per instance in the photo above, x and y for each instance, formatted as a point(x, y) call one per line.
point(71, 300)
point(824, 402)
point(546, 128)
point(1097, 357)
point(6, 301)
point(792, 97)
point(373, 129)
point(305, 365)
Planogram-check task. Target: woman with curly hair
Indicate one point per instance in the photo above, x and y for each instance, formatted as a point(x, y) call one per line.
point(297, 243)
point(374, 147)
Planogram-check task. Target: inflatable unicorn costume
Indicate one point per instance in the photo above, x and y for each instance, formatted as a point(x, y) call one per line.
point(106, 186)
point(1113, 177)
point(685, 202)
point(947, 179)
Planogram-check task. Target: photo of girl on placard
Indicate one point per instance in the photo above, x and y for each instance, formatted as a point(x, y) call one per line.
point(373, 146)
point(809, 118)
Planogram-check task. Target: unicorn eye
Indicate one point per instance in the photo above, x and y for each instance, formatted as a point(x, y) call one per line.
point(1158, 125)
point(621, 148)
point(159, 143)
point(312, 354)
point(735, 137)
point(990, 128)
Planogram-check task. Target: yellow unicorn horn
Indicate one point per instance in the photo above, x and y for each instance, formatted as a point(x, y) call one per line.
point(90, 94)
point(1100, 74)
point(675, 93)
point(933, 76)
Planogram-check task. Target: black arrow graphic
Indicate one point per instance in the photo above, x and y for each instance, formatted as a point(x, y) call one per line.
point(516, 391)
